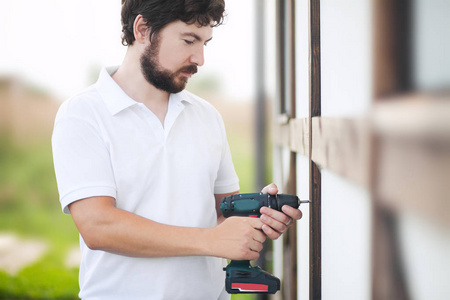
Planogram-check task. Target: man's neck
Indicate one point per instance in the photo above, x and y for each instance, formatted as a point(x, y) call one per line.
point(131, 80)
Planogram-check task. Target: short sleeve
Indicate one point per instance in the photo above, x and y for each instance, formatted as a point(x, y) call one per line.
point(82, 161)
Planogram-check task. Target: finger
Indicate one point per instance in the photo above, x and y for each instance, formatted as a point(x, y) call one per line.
point(260, 237)
point(270, 189)
point(251, 255)
point(256, 246)
point(275, 214)
point(276, 225)
point(270, 233)
point(254, 242)
point(255, 223)
point(293, 213)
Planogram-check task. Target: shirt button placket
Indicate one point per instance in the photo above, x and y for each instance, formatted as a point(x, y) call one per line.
point(153, 122)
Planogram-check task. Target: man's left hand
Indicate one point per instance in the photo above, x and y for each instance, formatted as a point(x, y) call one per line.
point(275, 222)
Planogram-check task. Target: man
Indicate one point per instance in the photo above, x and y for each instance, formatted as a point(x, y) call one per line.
point(142, 166)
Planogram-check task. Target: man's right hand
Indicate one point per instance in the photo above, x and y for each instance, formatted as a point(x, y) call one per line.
point(236, 238)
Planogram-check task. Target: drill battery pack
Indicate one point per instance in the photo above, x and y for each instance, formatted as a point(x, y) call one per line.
point(242, 278)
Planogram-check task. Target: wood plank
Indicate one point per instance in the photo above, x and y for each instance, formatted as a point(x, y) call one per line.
point(392, 47)
point(423, 116)
point(395, 164)
point(413, 161)
point(281, 131)
point(388, 273)
point(299, 138)
point(414, 176)
point(342, 146)
point(281, 57)
point(315, 237)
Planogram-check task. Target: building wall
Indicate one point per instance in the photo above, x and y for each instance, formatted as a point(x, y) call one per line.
point(414, 251)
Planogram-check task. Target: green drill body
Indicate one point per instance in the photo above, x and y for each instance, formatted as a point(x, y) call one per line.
point(241, 277)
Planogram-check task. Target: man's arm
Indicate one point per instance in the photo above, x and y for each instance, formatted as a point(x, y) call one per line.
point(105, 227)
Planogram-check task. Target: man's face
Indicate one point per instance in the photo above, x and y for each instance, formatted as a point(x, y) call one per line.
point(174, 54)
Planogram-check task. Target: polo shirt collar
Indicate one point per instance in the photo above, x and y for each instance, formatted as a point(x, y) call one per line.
point(116, 99)
point(181, 97)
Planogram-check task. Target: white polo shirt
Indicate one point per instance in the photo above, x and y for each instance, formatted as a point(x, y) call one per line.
point(107, 144)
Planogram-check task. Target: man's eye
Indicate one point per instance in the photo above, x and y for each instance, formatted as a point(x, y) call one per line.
point(188, 42)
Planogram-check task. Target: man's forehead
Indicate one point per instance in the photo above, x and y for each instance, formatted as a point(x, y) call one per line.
point(201, 33)
point(195, 36)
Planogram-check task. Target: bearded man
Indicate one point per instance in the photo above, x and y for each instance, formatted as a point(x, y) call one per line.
point(142, 165)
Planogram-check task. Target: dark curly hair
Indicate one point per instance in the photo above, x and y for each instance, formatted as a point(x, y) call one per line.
point(159, 13)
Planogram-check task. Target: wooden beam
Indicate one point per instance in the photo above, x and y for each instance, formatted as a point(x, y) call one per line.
point(413, 176)
point(281, 57)
point(392, 45)
point(292, 133)
point(413, 156)
point(315, 236)
point(399, 173)
point(299, 136)
point(413, 161)
point(315, 178)
point(388, 274)
point(415, 115)
point(342, 146)
point(282, 132)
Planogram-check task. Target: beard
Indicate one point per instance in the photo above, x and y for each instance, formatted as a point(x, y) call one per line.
point(159, 77)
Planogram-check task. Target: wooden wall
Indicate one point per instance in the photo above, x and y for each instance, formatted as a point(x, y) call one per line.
point(374, 135)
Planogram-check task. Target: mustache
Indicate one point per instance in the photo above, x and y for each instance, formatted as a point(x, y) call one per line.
point(189, 69)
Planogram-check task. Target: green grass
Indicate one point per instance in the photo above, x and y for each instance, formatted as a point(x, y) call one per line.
point(29, 207)
point(47, 279)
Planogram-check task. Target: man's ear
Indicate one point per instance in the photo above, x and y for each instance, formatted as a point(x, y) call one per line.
point(140, 30)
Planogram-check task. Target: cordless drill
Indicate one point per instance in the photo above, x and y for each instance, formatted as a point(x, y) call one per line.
point(241, 277)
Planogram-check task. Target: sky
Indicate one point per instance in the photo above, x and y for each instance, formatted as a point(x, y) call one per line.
point(59, 46)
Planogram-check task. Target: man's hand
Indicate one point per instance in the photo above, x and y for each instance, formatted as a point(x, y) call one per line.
point(276, 223)
point(237, 238)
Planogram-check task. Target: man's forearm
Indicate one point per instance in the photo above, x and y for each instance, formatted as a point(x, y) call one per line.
point(105, 227)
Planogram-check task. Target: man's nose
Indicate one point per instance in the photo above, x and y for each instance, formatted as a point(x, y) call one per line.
point(198, 57)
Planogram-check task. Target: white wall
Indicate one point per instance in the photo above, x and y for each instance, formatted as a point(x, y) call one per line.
point(346, 57)
point(425, 251)
point(346, 239)
point(346, 88)
point(431, 44)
